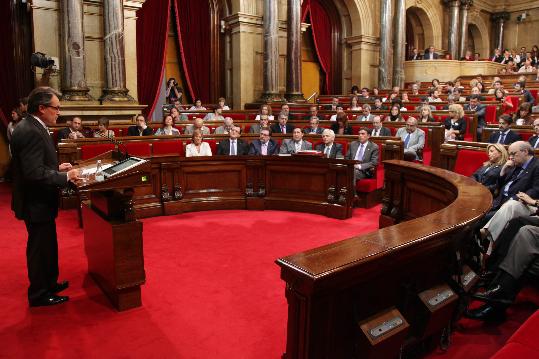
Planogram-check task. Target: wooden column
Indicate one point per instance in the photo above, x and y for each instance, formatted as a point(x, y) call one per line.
point(293, 52)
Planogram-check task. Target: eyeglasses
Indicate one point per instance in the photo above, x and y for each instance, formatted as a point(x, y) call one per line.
point(55, 107)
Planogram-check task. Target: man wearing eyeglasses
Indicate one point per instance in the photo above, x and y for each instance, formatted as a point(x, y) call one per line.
point(37, 179)
point(264, 146)
point(413, 138)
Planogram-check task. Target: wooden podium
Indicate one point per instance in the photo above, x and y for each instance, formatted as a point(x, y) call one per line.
point(112, 235)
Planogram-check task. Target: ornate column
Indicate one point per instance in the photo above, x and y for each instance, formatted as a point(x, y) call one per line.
point(115, 83)
point(399, 43)
point(271, 52)
point(452, 46)
point(293, 52)
point(74, 87)
point(386, 32)
point(500, 18)
point(465, 5)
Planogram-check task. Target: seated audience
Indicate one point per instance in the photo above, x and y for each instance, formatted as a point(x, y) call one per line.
point(296, 144)
point(263, 123)
point(167, 129)
point(197, 147)
point(523, 116)
point(354, 104)
point(457, 96)
point(103, 128)
point(425, 102)
point(264, 146)
point(367, 116)
point(480, 110)
point(354, 90)
point(505, 136)
point(496, 85)
point(197, 106)
point(394, 114)
point(366, 153)
point(455, 124)
point(489, 173)
point(216, 115)
point(534, 140)
point(264, 110)
point(378, 130)
point(329, 148)
point(341, 126)
point(414, 139)
point(314, 126)
point(234, 145)
point(221, 103)
point(197, 125)
point(430, 54)
point(340, 109)
point(73, 132)
point(365, 96)
point(434, 95)
point(140, 129)
point(378, 105)
point(225, 128)
point(282, 126)
point(425, 114)
point(520, 89)
point(375, 92)
point(506, 103)
point(176, 118)
point(527, 67)
point(468, 56)
point(333, 105)
point(313, 111)
point(416, 55)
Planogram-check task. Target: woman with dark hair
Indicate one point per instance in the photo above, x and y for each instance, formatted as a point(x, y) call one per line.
point(523, 116)
point(175, 114)
point(354, 104)
point(375, 91)
point(394, 113)
point(355, 90)
point(197, 106)
point(173, 92)
point(16, 116)
point(341, 126)
point(103, 128)
point(167, 129)
point(506, 103)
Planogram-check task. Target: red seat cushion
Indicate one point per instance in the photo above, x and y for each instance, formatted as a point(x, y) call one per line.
point(528, 333)
point(90, 151)
point(161, 148)
point(525, 135)
point(213, 146)
point(141, 149)
point(490, 115)
point(515, 100)
point(344, 146)
point(468, 161)
point(515, 350)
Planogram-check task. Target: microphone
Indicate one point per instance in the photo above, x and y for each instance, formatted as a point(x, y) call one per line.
point(118, 155)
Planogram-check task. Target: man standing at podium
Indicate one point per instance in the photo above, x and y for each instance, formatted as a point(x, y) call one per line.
point(36, 180)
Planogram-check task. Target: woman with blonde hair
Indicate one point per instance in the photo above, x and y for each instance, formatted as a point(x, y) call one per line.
point(197, 147)
point(425, 114)
point(455, 124)
point(488, 174)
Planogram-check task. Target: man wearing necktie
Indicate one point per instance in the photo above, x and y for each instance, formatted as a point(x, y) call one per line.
point(378, 130)
point(413, 138)
point(233, 146)
point(296, 144)
point(366, 153)
point(329, 148)
point(282, 126)
point(263, 146)
point(505, 136)
point(366, 113)
point(534, 140)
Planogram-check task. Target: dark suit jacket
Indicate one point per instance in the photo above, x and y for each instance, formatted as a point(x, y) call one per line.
point(276, 128)
point(509, 138)
point(527, 181)
point(62, 134)
point(426, 56)
point(133, 131)
point(415, 57)
point(36, 179)
point(384, 131)
point(336, 150)
point(488, 179)
point(320, 117)
point(533, 140)
point(460, 126)
point(255, 149)
point(242, 147)
point(319, 130)
point(370, 157)
point(347, 129)
point(480, 111)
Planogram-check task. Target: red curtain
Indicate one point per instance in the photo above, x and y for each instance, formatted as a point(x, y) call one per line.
point(322, 35)
point(152, 33)
point(8, 98)
point(193, 23)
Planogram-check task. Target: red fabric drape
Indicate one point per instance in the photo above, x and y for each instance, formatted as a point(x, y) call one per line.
point(321, 29)
point(8, 99)
point(152, 33)
point(193, 23)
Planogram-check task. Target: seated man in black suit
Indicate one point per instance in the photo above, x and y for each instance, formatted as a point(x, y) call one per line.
point(141, 129)
point(520, 88)
point(313, 126)
point(415, 55)
point(378, 105)
point(480, 110)
point(285, 110)
point(282, 126)
point(505, 136)
point(313, 111)
point(366, 153)
point(333, 105)
point(329, 147)
point(430, 54)
point(264, 146)
point(74, 130)
point(534, 140)
point(233, 146)
point(378, 130)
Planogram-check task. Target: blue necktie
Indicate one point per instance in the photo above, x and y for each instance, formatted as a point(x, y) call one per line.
point(502, 138)
point(406, 140)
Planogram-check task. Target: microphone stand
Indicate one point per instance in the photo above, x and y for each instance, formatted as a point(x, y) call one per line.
point(118, 155)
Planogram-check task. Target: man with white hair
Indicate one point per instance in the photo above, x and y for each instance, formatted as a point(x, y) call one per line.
point(413, 138)
point(329, 147)
point(226, 127)
point(198, 125)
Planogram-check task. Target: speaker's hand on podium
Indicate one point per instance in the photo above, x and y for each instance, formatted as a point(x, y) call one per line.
point(73, 175)
point(64, 167)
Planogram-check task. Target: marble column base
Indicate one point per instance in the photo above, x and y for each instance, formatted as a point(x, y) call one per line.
point(76, 95)
point(294, 97)
point(270, 97)
point(116, 95)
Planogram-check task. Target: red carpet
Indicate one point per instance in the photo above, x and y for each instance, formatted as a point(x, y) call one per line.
point(212, 291)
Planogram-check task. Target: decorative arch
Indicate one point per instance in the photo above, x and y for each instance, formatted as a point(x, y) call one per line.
point(428, 14)
point(361, 17)
point(480, 33)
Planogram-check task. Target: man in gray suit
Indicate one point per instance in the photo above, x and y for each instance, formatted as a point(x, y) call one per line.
point(414, 139)
point(367, 116)
point(226, 127)
point(366, 153)
point(314, 128)
point(296, 144)
point(198, 125)
point(378, 130)
point(263, 123)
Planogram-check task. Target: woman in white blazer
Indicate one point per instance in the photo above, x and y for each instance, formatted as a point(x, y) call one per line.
point(197, 147)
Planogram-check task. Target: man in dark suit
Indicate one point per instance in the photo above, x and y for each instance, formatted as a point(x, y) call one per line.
point(333, 105)
point(313, 111)
point(282, 126)
point(313, 126)
point(233, 146)
point(430, 54)
point(366, 153)
point(36, 181)
point(534, 140)
point(497, 57)
point(415, 55)
point(264, 146)
point(520, 88)
point(141, 129)
point(74, 130)
point(505, 136)
point(378, 130)
point(329, 148)
point(480, 110)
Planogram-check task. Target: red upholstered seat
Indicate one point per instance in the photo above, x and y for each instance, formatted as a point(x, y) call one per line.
point(355, 129)
point(523, 343)
point(525, 135)
point(247, 128)
point(213, 146)
point(344, 146)
point(89, 151)
point(116, 131)
point(393, 131)
point(468, 161)
point(161, 148)
point(139, 149)
point(240, 116)
point(515, 100)
point(490, 115)
point(534, 93)
point(366, 185)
